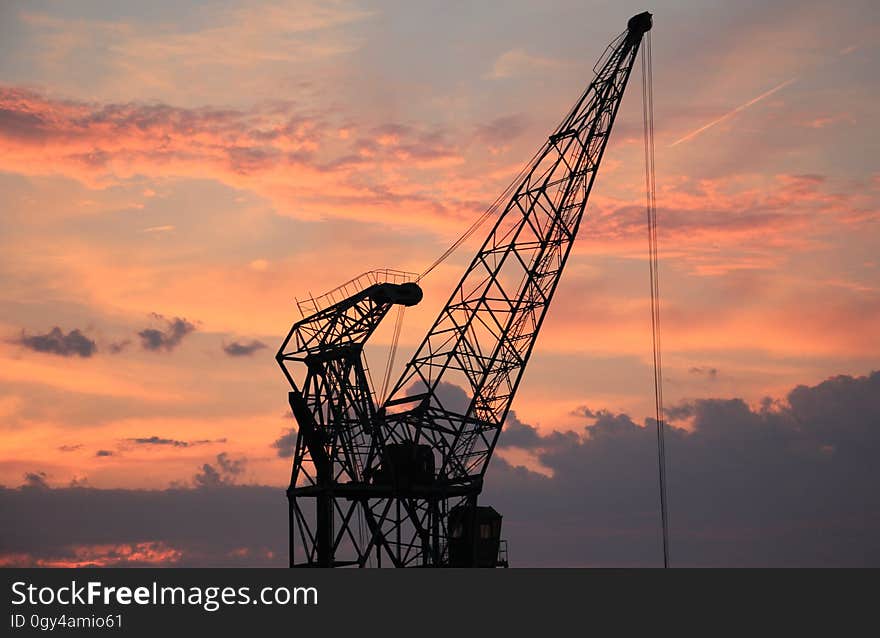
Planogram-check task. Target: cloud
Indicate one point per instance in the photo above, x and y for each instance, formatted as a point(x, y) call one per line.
point(584, 411)
point(402, 175)
point(242, 349)
point(278, 150)
point(226, 473)
point(74, 343)
point(700, 216)
point(453, 397)
point(156, 440)
point(208, 477)
point(101, 453)
point(679, 412)
point(711, 373)
point(118, 346)
point(36, 480)
point(785, 483)
point(182, 527)
point(520, 435)
point(121, 555)
point(176, 329)
point(229, 466)
point(285, 445)
point(69, 448)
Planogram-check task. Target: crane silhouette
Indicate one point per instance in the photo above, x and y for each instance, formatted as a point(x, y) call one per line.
point(397, 483)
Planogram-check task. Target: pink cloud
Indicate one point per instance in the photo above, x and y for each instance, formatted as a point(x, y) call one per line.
point(295, 159)
point(104, 555)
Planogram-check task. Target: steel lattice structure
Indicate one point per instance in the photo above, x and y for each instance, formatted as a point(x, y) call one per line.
point(399, 482)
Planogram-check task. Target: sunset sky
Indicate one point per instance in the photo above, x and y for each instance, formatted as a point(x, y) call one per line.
point(174, 174)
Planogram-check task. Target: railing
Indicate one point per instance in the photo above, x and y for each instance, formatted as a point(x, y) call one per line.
point(353, 286)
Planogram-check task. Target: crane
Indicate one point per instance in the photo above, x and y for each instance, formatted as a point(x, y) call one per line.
point(395, 482)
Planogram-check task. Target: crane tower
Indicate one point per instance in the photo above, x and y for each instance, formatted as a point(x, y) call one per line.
point(397, 483)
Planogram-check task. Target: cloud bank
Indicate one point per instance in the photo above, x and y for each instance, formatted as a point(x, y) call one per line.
point(788, 483)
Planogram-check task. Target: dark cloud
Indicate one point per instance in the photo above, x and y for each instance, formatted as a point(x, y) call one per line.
point(156, 440)
point(285, 444)
point(36, 480)
point(103, 453)
point(118, 346)
point(69, 448)
point(520, 435)
point(453, 397)
point(168, 338)
point(785, 483)
point(208, 476)
point(20, 125)
point(679, 412)
point(74, 343)
point(241, 349)
point(711, 373)
point(229, 525)
point(226, 472)
point(229, 466)
point(251, 159)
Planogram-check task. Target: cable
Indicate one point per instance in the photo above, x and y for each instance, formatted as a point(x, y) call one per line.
point(493, 208)
point(392, 353)
point(653, 261)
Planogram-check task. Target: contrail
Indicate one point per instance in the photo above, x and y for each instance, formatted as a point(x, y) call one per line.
point(741, 107)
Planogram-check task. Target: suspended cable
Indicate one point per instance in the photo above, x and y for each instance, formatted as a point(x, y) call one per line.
point(398, 324)
point(392, 353)
point(493, 208)
point(653, 266)
point(458, 242)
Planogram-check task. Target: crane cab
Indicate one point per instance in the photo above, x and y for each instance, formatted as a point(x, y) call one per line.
point(474, 536)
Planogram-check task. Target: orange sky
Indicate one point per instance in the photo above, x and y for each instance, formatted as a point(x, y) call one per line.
point(211, 162)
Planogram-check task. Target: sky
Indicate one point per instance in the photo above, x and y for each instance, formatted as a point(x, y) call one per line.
point(174, 174)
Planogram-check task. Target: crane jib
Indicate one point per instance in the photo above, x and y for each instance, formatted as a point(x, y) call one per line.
point(483, 337)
